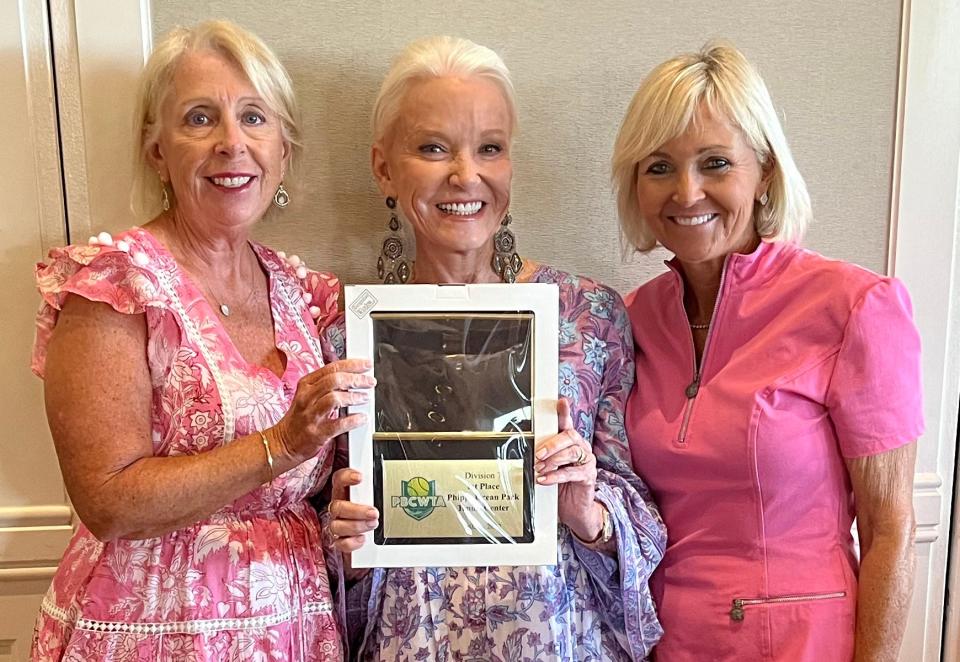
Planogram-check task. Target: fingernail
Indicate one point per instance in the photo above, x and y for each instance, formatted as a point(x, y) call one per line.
point(541, 479)
point(538, 467)
point(373, 523)
point(542, 453)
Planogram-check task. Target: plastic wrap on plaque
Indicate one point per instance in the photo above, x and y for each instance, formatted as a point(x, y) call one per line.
point(466, 385)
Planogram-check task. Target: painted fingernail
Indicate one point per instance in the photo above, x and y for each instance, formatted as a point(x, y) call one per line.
point(541, 479)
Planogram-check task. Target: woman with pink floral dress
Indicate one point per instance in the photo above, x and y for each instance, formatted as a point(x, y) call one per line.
point(188, 391)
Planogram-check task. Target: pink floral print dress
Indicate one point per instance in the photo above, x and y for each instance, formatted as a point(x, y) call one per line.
point(249, 582)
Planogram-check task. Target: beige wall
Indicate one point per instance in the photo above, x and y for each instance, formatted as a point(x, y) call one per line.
point(34, 516)
point(831, 67)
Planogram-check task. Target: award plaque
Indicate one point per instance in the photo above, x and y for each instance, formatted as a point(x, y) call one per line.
point(466, 386)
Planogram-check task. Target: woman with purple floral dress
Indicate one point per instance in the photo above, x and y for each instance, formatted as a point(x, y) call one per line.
point(443, 124)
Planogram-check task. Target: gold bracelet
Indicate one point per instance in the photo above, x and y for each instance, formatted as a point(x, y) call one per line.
point(606, 530)
point(266, 447)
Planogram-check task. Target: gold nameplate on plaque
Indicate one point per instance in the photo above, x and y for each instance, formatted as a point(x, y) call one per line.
point(454, 500)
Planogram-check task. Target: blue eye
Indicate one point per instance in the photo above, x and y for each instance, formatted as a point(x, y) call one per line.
point(717, 163)
point(254, 118)
point(198, 118)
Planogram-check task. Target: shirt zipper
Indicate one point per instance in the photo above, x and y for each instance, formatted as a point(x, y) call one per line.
point(737, 613)
point(694, 387)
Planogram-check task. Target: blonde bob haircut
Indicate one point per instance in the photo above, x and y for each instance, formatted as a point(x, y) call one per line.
point(437, 57)
point(720, 78)
point(237, 45)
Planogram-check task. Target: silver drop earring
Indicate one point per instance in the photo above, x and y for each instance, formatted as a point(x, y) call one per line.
point(391, 265)
point(506, 262)
point(281, 198)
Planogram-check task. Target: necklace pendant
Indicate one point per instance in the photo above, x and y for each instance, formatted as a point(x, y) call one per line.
point(225, 309)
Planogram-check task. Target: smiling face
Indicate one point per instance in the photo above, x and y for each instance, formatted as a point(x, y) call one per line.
point(220, 147)
point(697, 192)
point(446, 160)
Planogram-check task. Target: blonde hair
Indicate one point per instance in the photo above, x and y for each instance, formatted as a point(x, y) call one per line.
point(435, 57)
point(237, 45)
point(722, 79)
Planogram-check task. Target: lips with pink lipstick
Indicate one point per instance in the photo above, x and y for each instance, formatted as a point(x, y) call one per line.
point(231, 181)
point(693, 220)
point(461, 208)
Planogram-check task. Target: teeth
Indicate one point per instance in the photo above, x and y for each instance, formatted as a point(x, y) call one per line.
point(693, 220)
point(460, 208)
point(231, 182)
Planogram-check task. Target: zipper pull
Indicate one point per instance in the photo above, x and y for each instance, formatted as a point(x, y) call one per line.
point(736, 613)
point(693, 388)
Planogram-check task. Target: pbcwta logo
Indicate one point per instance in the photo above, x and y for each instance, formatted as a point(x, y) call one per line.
point(418, 497)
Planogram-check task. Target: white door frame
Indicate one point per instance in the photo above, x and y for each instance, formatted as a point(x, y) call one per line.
point(100, 47)
point(924, 250)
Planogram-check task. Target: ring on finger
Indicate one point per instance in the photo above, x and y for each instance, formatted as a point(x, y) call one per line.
point(330, 536)
point(581, 457)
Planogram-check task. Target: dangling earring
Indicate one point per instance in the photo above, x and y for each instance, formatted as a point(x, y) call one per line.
point(164, 196)
point(391, 267)
point(281, 198)
point(506, 263)
point(764, 199)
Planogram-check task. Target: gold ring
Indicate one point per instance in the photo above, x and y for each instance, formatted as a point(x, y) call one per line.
point(581, 458)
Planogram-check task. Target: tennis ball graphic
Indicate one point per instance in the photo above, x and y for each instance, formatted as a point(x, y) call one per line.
point(418, 487)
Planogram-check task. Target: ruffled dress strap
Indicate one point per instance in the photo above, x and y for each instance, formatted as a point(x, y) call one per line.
point(319, 291)
point(119, 272)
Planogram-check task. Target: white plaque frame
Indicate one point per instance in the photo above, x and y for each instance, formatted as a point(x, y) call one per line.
point(542, 299)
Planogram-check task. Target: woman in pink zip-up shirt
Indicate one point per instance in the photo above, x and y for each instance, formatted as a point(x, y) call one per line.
point(777, 394)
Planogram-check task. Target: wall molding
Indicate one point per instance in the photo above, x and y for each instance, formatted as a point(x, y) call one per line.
point(35, 516)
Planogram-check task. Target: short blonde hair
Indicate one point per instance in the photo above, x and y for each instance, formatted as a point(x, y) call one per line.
point(237, 45)
point(722, 79)
point(435, 57)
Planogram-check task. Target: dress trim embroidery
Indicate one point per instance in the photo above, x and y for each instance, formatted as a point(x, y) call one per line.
point(298, 320)
point(204, 626)
point(197, 338)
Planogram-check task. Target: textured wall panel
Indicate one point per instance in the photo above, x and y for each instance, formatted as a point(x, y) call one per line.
point(831, 67)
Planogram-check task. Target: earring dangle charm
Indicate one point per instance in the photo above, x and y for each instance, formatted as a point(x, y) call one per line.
point(764, 199)
point(164, 196)
point(506, 262)
point(392, 267)
point(281, 198)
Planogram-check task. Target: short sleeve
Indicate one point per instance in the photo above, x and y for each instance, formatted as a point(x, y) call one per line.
point(110, 274)
point(875, 392)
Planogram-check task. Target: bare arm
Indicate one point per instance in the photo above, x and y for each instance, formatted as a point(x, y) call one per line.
point(98, 399)
point(883, 490)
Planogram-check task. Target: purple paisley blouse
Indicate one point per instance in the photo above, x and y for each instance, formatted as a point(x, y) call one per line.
point(590, 606)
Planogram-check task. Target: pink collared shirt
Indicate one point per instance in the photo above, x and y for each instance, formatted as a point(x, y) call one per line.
point(808, 361)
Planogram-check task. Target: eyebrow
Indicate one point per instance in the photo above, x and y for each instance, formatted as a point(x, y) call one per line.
point(207, 101)
point(708, 148)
